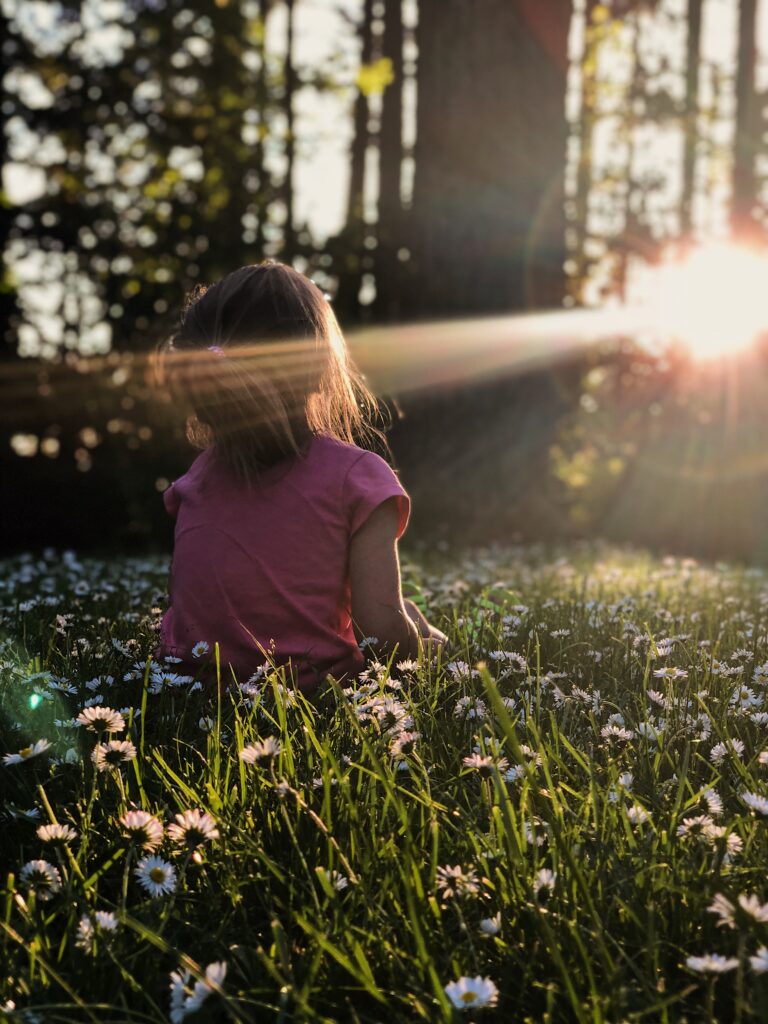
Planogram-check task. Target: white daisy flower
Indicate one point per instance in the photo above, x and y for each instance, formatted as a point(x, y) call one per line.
point(759, 961)
point(616, 732)
point(713, 801)
point(755, 802)
point(109, 756)
point(27, 753)
point(491, 925)
point(336, 880)
point(99, 719)
point(404, 743)
point(143, 828)
point(752, 906)
point(186, 999)
point(192, 828)
point(201, 647)
point(724, 909)
point(88, 928)
point(637, 815)
point(156, 875)
point(545, 879)
point(56, 833)
point(261, 750)
point(472, 993)
point(41, 877)
point(454, 881)
point(486, 765)
point(712, 963)
point(720, 751)
point(694, 826)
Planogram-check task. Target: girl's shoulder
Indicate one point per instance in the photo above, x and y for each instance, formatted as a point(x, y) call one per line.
point(345, 455)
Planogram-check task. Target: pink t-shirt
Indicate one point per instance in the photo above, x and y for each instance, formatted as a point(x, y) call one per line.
point(272, 564)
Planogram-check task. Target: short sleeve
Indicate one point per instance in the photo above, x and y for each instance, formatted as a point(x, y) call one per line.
point(171, 501)
point(370, 481)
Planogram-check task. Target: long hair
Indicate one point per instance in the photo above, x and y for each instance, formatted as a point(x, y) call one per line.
point(260, 364)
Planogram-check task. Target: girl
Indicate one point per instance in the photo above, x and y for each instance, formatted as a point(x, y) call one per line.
point(285, 546)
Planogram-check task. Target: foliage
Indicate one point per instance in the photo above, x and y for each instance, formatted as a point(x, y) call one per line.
point(580, 812)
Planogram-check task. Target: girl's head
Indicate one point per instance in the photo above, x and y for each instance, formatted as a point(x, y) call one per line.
point(260, 363)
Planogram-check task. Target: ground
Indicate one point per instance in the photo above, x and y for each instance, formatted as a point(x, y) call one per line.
point(562, 819)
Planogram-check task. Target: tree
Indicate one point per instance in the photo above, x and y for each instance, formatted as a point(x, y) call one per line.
point(747, 131)
point(691, 115)
point(486, 231)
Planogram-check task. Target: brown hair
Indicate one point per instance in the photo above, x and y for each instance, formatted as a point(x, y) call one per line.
point(260, 360)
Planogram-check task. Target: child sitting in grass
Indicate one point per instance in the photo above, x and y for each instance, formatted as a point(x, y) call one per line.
point(285, 547)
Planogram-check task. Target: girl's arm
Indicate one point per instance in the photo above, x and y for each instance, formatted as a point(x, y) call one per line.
point(378, 607)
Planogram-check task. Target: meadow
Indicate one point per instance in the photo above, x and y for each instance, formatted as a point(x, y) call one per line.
point(562, 818)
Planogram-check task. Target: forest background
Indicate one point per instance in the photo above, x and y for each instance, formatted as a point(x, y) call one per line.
point(465, 181)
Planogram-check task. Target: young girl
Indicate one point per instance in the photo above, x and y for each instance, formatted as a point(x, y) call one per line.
point(285, 546)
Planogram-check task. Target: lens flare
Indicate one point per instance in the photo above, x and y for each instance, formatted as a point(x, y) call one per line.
point(713, 301)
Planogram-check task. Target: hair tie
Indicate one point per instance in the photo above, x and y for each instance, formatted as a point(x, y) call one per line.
point(217, 349)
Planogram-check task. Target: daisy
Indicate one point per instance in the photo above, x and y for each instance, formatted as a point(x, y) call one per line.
point(694, 826)
point(713, 801)
point(109, 756)
point(143, 828)
point(186, 999)
point(670, 673)
point(201, 647)
point(472, 993)
point(27, 753)
point(156, 875)
point(56, 833)
point(99, 719)
point(486, 765)
point(637, 815)
point(616, 732)
point(760, 960)
point(261, 750)
point(724, 909)
point(41, 877)
point(404, 743)
point(545, 879)
point(719, 752)
point(192, 828)
point(756, 802)
point(752, 906)
point(89, 928)
point(491, 925)
point(336, 880)
point(454, 881)
point(711, 963)
point(470, 707)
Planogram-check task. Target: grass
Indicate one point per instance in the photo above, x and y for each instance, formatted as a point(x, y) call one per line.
point(586, 841)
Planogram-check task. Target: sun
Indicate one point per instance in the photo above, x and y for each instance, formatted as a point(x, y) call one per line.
point(715, 301)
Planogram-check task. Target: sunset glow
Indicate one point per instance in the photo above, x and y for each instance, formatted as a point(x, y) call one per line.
point(714, 302)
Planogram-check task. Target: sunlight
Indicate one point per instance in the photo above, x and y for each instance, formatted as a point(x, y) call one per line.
point(714, 301)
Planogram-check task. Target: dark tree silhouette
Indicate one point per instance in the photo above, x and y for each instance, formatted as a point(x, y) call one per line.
point(390, 228)
point(486, 231)
point(747, 140)
point(691, 115)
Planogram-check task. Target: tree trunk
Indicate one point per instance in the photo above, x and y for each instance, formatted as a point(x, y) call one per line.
point(487, 227)
point(691, 124)
point(8, 308)
point(747, 141)
point(289, 238)
point(390, 219)
point(347, 246)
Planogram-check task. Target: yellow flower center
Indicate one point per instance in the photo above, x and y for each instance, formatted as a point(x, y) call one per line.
point(468, 997)
point(157, 875)
point(26, 752)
